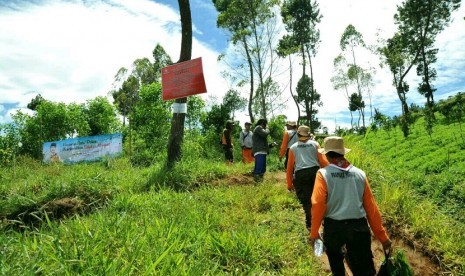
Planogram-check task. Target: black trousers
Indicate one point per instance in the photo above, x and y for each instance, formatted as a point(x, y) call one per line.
point(304, 180)
point(355, 235)
point(228, 153)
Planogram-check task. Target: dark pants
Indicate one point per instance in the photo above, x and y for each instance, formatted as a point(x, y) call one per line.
point(228, 154)
point(355, 235)
point(303, 184)
point(260, 166)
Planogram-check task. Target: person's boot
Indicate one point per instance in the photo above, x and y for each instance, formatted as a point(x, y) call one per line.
point(258, 178)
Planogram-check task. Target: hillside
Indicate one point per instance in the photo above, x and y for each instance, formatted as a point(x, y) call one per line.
point(206, 218)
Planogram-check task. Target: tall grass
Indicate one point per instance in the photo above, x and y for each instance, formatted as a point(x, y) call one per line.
point(244, 229)
point(417, 189)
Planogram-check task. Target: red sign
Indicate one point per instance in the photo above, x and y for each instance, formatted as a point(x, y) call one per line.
point(183, 79)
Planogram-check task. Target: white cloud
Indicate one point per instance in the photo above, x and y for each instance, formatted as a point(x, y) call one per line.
point(70, 52)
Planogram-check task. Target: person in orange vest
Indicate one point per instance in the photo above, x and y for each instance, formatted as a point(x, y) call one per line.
point(289, 138)
point(226, 141)
point(245, 139)
point(343, 201)
point(304, 162)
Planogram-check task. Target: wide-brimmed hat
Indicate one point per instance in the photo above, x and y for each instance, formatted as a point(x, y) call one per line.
point(334, 143)
point(303, 131)
point(291, 123)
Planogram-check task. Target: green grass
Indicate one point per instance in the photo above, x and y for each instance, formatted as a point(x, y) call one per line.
point(244, 229)
point(207, 218)
point(418, 183)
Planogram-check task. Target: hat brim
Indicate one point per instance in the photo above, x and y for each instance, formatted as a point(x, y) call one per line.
point(324, 151)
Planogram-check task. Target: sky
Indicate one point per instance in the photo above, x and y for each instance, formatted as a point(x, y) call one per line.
point(70, 51)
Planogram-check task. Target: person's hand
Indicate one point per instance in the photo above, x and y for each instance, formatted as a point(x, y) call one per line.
point(387, 244)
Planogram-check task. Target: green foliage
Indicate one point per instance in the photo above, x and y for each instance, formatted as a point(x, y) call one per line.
point(216, 118)
point(101, 116)
point(309, 99)
point(416, 179)
point(276, 127)
point(396, 265)
point(195, 112)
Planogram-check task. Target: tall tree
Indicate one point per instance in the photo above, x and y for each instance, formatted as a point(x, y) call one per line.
point(177, 122)
point(340, 80)
point(423, 20)
point(309, 99)
point(351, 39)
point(400, 58)
point(233, 101)
point(252, 25)
point(300, 18)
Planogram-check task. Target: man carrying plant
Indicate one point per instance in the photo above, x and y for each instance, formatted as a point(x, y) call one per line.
point(343, 201)
point(304, 161)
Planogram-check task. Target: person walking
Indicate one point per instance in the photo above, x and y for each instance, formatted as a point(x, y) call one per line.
point(260, 148)
point(289, 138)
point(246, 143)
point(343, 201)
point(304, 162)
point(226, 141)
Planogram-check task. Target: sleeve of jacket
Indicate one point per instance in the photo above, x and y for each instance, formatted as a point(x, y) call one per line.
point(283, 149)
point(373, 214)
point(290, 170)
point(319, 197)
point(321, 158)
point(261, 132)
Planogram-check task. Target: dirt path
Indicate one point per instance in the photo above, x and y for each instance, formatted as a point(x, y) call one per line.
point(420, 264)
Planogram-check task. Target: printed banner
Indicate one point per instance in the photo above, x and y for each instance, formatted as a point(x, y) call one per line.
point(81, 149)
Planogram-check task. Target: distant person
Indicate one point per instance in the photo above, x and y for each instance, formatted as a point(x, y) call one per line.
point(245, 139)
point(343, 201)
point(260, 148)
point(304, 162)
point(289, 138)
point(54, 157)
point(226, 141)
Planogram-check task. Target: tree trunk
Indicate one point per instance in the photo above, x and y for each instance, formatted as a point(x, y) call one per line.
point(177, 122)
point(292, 94)
point(249, 61)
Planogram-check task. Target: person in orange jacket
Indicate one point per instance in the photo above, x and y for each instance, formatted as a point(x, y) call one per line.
point(289, 138)
point(304, 161)
point(343, 201)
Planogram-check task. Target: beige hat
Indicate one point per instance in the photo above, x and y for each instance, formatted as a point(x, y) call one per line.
point(334, 143)
point(291, 123)
point(303, 131)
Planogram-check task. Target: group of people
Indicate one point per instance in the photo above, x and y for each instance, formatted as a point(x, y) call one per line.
point(254, 144)
point(333, 192)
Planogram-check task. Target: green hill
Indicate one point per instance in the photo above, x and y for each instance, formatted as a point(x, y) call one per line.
point(207, 218)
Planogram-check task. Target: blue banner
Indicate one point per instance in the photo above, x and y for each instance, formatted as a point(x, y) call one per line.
point(92, 148)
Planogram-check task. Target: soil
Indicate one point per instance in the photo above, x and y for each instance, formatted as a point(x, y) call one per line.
point(419, 262)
